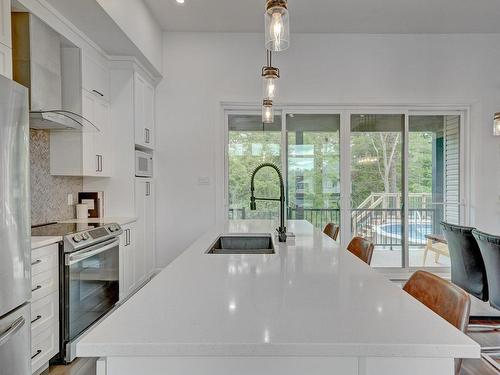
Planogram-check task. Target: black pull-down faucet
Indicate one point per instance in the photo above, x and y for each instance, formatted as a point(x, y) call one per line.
point(253, 206)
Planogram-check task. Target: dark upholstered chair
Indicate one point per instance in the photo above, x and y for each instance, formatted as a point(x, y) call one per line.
point(332, 231)
point(467, 265)
point(362, 248)
point(445, 299)
point(489, 245)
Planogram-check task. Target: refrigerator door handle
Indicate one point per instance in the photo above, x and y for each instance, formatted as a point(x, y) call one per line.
point(16, 326)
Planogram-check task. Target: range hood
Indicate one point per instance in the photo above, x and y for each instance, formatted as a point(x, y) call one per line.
point(36, 55)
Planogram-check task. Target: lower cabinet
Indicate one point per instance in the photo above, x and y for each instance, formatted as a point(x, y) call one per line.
point(44, 306)
point(137, 249)
point(128, 282)
point(145, 211)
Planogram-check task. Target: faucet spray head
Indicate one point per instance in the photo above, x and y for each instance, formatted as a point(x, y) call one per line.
point(253, 205)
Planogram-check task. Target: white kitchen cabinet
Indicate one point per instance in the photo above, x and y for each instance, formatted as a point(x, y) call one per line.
point(87, 152)
point(5, 61)
point(144, 108)
point(5, 23)
point(5, 39)
point(127, 261)
point(44, 306)
point(144, 206)
point(95, 76)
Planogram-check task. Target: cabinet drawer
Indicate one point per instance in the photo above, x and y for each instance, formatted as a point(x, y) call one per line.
point(44, 313)
point(43, 347)
point(44, 284)
point(44, 259)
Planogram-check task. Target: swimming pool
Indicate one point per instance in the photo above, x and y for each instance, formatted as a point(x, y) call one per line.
point(416, 231)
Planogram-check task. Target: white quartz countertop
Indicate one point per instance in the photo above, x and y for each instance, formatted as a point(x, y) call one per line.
point(311, 298)
point(102, 220)
point(42, 241)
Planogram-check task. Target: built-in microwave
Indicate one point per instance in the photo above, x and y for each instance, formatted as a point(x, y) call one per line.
point(143, 164)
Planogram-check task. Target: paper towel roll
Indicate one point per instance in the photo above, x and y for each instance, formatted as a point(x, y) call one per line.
point(82, 211)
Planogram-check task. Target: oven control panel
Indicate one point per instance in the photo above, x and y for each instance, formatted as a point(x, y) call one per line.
point(92, 236)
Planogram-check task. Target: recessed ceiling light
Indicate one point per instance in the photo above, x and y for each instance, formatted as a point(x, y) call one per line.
point(179, 1)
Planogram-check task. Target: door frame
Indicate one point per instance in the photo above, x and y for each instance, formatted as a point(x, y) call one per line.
point(345, 111)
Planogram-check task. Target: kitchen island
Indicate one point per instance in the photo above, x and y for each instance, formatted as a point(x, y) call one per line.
point(310, 308)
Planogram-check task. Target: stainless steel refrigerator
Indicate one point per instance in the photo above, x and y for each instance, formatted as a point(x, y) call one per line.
point(15, 242)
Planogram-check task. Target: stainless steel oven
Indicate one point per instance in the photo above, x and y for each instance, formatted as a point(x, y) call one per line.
point(90, 282)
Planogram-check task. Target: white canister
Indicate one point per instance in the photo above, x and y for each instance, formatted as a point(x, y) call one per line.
point(82, 211)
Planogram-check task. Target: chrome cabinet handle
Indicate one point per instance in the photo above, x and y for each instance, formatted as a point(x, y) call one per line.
point(38, 317)
point(36, 288)
point(99, 163)
point(14, 327)
point(39, 351)
point(38, 261)
point(98, 93)
point(127, 237)
point(148, 189)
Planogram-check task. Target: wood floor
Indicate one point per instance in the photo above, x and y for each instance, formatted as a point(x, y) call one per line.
point(86, 366)
point(80, 366)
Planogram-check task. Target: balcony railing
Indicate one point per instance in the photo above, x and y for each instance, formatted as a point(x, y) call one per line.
point(383, 226)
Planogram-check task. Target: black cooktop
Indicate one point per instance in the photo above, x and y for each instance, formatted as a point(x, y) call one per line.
point(61, 229)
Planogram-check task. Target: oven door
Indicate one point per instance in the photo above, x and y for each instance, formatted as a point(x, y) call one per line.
point(91, 286)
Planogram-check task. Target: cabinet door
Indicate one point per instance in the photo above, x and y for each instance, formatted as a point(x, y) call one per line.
point(140, 129)
point(149, 117)
point(103, 142)
point(5, 28)
point(90, 159)
point(127, 272)
point(5, 61)
point(149, 228)
point(95, 76)
point(140, 244)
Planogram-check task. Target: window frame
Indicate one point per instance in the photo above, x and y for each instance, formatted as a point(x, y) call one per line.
point(345, 112)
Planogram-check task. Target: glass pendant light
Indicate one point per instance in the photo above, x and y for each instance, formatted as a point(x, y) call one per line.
point(496, 124)
point(277, 25)
point(267, 111)
point(270, 77)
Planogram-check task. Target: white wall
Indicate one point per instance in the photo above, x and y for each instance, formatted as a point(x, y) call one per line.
point(202, 70)
point(137, 22)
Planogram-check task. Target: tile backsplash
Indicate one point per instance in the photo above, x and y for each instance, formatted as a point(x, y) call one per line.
point(49, 194)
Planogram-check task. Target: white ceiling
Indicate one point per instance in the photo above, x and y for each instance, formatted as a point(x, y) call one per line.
point(334, 16)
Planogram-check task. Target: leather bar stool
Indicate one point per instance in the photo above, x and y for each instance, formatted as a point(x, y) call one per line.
point(467, 265)
point(332, 231)
point(445, 299)
point(489, 245)
point(362, 248)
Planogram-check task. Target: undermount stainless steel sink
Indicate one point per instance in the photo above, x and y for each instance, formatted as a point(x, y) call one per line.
point(243, 244)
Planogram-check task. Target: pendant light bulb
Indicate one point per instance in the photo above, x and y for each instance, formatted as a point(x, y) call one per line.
point(277, 25)
point(270, 77)
point(496, 124)
point(267, 111)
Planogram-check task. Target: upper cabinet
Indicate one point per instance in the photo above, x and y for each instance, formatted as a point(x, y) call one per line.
point(5, 39)
point(95, 77)
point(85, 91)
point(144, 108)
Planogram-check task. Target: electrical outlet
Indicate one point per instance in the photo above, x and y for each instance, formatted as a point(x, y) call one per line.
point(70, 200)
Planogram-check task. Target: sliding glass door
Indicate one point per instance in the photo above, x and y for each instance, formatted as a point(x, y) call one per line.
point(377, 184)
point(392, 176)
point(313, 168)
point(250, 144)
